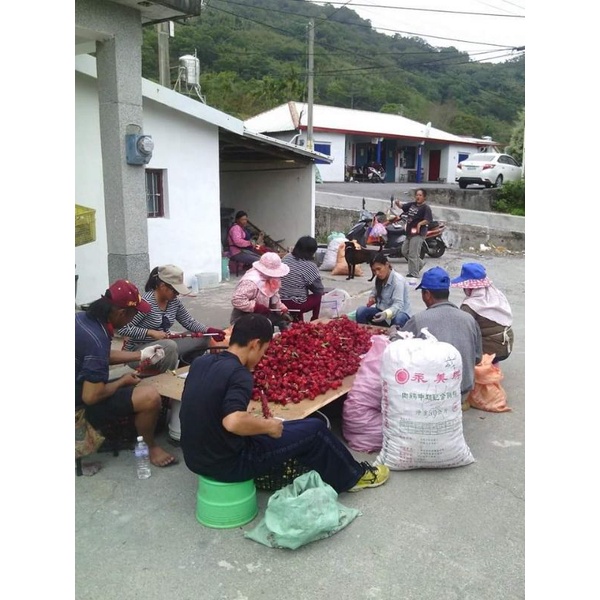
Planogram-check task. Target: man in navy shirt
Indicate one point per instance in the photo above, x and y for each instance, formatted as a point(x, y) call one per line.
point(418, 218)
point(222, 440)
point(106, 400)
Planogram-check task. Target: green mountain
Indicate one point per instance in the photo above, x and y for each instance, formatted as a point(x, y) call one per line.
point(253, 57)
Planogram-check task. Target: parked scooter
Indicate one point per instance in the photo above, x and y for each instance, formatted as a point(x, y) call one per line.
point(360, 230)
point(395, 227)
point(375, 173)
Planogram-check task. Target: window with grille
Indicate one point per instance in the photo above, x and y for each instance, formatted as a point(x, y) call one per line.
point(155, 201)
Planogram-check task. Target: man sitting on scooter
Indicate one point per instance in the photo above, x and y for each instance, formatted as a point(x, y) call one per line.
point(418, 218)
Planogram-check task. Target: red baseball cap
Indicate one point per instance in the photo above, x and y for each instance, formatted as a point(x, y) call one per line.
point(123, 294)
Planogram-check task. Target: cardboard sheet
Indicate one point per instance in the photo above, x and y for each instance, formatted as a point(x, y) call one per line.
point(171, 386)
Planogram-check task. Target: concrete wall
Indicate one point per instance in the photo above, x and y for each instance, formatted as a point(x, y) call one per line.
point(280, 201)
point(329, 172)
point(473, 199)
point(465, 229)
point(336, 170)
point(117, 31)
point(90, 259)
point(188, 148)
point(189, 234)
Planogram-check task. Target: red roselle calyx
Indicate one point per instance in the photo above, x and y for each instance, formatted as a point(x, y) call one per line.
point(308, 359)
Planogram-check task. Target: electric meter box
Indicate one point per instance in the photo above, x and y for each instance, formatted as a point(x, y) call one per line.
point(138, 149)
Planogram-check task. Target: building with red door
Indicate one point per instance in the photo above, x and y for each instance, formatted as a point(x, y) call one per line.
point(356, 139)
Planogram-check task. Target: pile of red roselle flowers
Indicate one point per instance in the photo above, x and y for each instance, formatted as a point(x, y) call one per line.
point(308, 359)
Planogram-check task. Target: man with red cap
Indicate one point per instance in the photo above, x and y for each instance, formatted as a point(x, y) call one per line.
point(105, 400)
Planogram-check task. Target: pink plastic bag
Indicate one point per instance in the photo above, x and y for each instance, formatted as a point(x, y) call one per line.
point(488, 394)
point(361, 418)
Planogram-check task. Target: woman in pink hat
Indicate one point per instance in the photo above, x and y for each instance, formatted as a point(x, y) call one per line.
point(489, 307)
point(258, 291)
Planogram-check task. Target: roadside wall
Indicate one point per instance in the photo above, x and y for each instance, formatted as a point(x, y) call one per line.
point(473, 199)
point(466, 228)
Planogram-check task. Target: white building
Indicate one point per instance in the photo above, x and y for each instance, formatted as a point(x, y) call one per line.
point(204, 163)
point(355, 138)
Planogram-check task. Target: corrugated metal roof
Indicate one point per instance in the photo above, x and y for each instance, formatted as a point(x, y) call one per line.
point(347, 120)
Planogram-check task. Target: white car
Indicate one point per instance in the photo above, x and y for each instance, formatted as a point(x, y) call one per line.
point(488, 169)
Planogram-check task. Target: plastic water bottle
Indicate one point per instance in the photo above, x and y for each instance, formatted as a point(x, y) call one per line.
point(142, 458)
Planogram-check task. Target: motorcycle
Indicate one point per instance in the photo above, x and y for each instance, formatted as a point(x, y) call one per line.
point(371, 173)
point(375, 173)
point(395, 235)
point(361, 229)
point(433, 245)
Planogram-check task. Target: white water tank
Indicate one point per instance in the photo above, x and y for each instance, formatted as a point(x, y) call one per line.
point(190, 66)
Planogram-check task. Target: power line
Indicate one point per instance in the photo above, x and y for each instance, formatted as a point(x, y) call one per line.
point(366, 26)
point(496, 7)
point(430, 10)
point(343, 50)
point(335, 11)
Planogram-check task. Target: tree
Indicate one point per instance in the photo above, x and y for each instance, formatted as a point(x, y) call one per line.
point(517, 138)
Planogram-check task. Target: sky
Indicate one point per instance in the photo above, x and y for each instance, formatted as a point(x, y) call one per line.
point(481, 36)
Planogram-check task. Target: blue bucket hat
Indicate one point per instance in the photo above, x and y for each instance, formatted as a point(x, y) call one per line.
point(435, 279)
point(472, 275)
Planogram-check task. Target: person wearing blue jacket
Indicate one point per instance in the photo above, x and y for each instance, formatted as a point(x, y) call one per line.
point(388, 303)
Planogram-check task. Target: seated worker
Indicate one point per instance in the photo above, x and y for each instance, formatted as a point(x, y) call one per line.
point(388, 303)
point(449, 324)
point(105, 401)
point(239, 239)
point(490, 309)
point(220, 439)
point(257, 291)
point(163, 287)
point(302, 288)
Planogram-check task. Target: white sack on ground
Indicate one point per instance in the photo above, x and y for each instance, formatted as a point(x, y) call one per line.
point(330, 258)
point(421, 406)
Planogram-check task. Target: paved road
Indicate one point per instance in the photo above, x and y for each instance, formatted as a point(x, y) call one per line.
point(427, 534)
point(379, 190)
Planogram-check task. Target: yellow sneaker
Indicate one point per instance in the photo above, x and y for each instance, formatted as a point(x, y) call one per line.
point(374, 476)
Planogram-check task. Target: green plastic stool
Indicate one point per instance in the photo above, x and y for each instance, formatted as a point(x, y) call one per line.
point(225, 505)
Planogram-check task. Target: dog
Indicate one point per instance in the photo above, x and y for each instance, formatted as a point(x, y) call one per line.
point(355, 256)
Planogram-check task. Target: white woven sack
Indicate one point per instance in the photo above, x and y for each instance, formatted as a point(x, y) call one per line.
point(330, 258)
point(421, 406)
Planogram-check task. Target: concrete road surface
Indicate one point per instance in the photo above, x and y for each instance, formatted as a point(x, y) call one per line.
point(444, 534)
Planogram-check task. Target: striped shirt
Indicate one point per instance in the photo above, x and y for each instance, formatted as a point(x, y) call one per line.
point(304, 275)
point(137, 329)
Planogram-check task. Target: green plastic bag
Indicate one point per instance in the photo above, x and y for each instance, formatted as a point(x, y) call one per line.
point(334, 235)
point(304, 511)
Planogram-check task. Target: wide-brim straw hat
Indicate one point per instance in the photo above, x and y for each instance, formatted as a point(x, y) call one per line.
point(270, 265)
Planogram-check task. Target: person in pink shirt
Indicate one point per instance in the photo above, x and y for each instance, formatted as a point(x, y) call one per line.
point(241, 246)
point(258, 291)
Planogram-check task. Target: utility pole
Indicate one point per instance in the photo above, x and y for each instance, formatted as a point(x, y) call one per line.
point(163, 30)
point(311, 42)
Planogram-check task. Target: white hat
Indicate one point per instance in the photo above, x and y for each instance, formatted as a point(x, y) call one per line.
point(270, 265)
